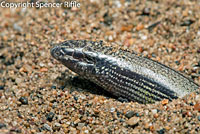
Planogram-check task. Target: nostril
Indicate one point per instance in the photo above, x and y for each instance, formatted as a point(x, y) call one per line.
point(55, 52)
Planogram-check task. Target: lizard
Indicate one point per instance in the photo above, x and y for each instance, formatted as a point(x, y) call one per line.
point(123, 73)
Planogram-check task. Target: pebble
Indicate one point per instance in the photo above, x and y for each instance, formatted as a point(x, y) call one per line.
point(187, 22)
point(152, 26)
point(2, 125)
point(165, 101)
point(137, 114)
point(197, 97)
point(23, 100)
point(50, 116)
point(17, 27)
point(133, 121)
point(53, 87)
point(198, 118)
point(16, 130)
point(47, 127)
point(129, 114)
point(86, 131)
point(154, 111)
point(143, 37)
point(81, 125)
point(162, 131)
point(112, 110)
point(198, 51)
point(57, 124)
point(146, 11)
point(1, 87)
point(197, 107)
point(117, 3)
point(127, 28)
point(139, 27)
point(43, 69)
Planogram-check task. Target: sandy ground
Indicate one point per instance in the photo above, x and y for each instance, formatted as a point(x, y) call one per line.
point(39, 95)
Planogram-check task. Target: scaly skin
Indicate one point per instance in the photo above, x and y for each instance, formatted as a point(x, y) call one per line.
point(122, 73)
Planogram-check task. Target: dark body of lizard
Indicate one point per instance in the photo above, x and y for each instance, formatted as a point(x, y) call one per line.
point(122, 73)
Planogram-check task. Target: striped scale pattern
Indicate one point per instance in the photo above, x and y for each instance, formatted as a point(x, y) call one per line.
point(122, 73)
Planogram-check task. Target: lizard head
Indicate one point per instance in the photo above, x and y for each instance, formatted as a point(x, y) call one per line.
point(77, 55)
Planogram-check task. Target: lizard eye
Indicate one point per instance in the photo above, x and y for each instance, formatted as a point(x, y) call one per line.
point(55, 52)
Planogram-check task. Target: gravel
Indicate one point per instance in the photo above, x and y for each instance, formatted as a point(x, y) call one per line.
point(39, 95)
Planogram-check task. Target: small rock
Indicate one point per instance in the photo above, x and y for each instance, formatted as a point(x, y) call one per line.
point(187, 22)
point(81, 125)
point(127, 28)
point(122, 120)
point(17, 27)
point(50, 116)
point(112, 110)
point(47, 127)
point(143, 37)
point(146, 11)
point(162, 131)
point(16, 130)
point(177, 62)
point(2, 125)
point(77, 121)
point(137, 114)
point(198, 118)
point(165, 101)
point(75, 98)
point(152, 128)
point(86, 131)
point(129, 114)
point(83, 97)
point(118, 4)
point(197, 107)
point(53, 87)
point(62, 87)
point(55, 104)
point(153, 55)
point(110, 38)
point(41, 64)
point(107, 19)
point(122, 99)
point(198, 51)
point(18, 80)
point(118, 114)
point(65, 125)
point(191, 104)
point(61, 116)
point(139, 27)
point(57, 124)
point(156, 115)
point(73, 130)
point(43, 69)
point(23, 100)
point(1, 87)
point(133, 121)
point(154, 111)
point(152, 26)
